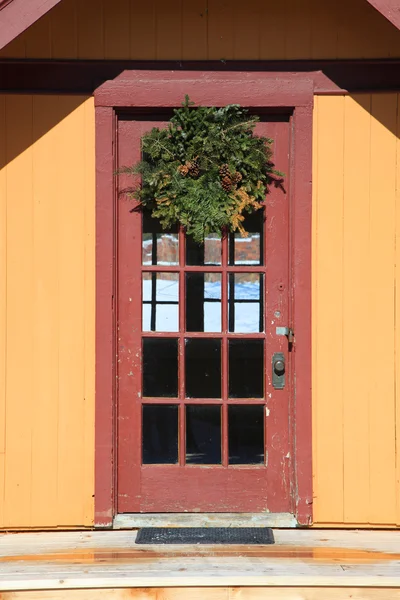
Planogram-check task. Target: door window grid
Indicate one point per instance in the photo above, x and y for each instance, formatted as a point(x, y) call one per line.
point(160, 304)
point(250, 306)
point(226, 269)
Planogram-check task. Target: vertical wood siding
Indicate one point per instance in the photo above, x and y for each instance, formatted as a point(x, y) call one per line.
point(47, 310)
point(47, 176)
point(356, 369)
point(208, 29)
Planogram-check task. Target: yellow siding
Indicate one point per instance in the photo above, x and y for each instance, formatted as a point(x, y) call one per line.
point(356, 405)
point(47, 311)
point(396, 416)
point(209, 29)
point(3, 304)
point(328, 157)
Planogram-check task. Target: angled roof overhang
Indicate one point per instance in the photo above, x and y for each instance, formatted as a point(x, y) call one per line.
point(18, 15)
point(389, 9)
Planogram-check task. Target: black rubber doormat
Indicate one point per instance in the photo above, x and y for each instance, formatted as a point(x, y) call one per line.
point(205, 535)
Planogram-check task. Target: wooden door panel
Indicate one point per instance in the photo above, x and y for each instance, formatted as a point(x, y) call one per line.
point(204, 489)
point(193, 487)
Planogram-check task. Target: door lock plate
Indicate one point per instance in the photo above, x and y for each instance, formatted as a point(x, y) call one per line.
point(278, 370)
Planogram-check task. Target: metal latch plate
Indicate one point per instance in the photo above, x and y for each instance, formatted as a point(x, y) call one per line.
point(287, 331)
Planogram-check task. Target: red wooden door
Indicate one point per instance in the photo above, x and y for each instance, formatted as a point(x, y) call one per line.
point(200, 425)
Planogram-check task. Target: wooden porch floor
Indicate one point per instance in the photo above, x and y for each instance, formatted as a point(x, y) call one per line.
point(302, 565)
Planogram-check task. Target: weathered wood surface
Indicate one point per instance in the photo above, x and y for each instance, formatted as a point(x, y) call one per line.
point(16, 544)
point(129, 521)
point(200, 593)
point(89, 560)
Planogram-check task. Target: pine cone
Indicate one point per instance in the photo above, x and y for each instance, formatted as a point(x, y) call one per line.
point(194, 169)
point(227, 183)
point(237, 177)
point(183, 170)
point(224, 171)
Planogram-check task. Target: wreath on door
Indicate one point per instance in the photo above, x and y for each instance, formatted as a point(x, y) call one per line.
point(205, 170)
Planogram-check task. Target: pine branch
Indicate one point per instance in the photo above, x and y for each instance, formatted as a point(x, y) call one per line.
point(206, 170)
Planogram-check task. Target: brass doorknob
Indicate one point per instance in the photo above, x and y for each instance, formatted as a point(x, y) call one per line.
point(279, 367)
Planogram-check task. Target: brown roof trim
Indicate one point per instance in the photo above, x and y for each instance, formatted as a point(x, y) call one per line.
point(18, 15)
point(77, 76)
point(389, 9)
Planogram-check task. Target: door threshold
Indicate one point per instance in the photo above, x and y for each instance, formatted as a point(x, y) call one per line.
point(137, 520)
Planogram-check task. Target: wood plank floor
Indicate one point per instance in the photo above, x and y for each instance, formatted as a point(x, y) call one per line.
point(363, 562)
point(208, 593)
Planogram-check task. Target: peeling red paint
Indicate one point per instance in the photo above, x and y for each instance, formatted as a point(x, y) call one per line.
point(156, 91)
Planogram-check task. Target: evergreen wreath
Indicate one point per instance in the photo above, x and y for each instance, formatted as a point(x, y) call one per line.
point(205, 170)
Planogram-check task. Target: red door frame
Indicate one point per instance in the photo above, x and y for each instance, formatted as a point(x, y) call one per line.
point(161, 89)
